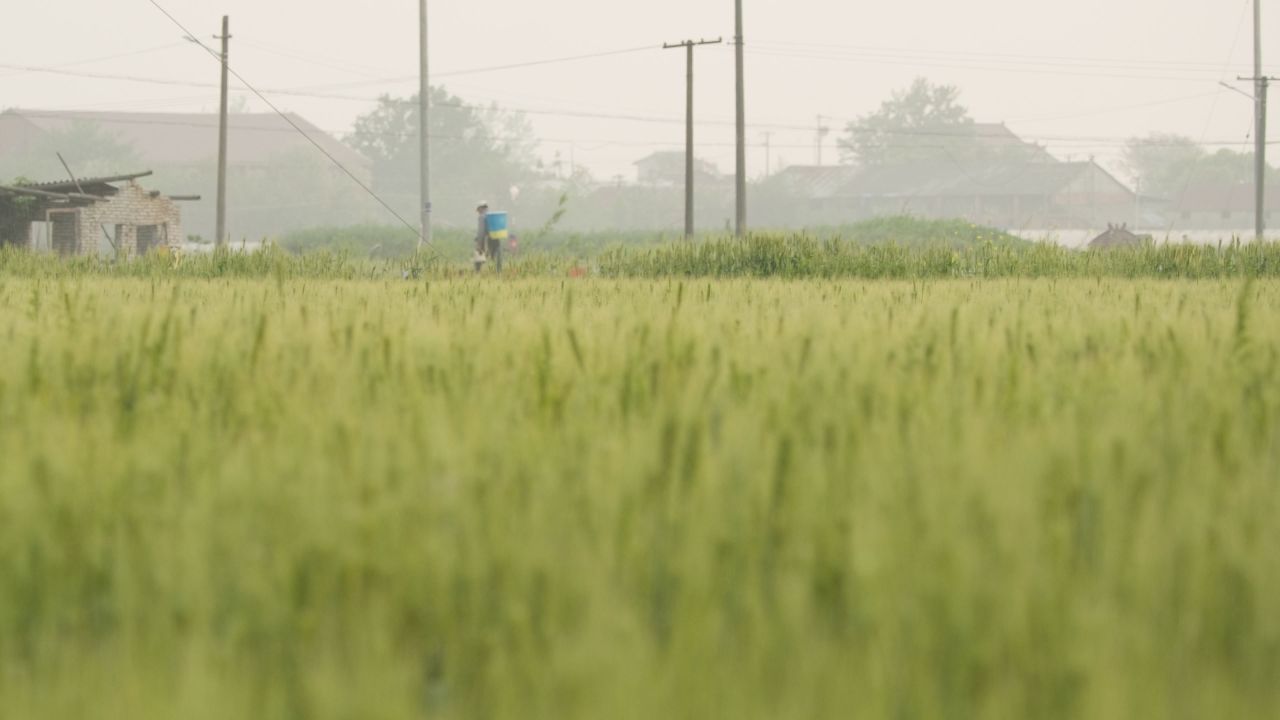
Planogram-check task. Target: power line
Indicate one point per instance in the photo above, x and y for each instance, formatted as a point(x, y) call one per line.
point(482, 70)
point(104, 58)
point(334, 96)
point(364, 99)
point(288, 119)
point(592, 115)
point(367, 72)
point(559, 113)
point(1001, 58)
point(1115, 108)
point(968, 65)
point(104, 76)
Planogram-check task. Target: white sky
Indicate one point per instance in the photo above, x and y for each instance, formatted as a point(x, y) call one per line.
point(1080, 75)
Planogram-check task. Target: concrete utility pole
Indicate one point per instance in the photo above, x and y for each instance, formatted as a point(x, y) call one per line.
point(225, 37)
point(689, 45)
point(424, 125)
point(741, 180)
point(1261, 85)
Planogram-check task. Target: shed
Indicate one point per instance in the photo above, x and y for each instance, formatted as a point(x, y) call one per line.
point(86, 216)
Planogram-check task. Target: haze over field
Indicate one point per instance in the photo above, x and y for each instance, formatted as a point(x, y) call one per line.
point(968, 408)
point(1080, 77)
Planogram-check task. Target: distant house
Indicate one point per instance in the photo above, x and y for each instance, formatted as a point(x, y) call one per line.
point(90, 215)
point(1218, 206)
point(668, 168)
point(818, 184)
point(1009, 195)
point(993, 178)
point(261, 147)
point(997, 139)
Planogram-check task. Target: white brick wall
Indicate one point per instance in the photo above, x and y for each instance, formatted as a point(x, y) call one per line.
point(131, 207)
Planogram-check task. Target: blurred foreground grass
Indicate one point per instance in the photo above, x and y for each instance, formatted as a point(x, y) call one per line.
point(291, 497)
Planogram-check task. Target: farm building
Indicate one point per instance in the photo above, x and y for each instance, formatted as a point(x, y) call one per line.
point(90, 216)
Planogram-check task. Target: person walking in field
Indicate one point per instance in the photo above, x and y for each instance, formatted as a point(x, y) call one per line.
point(487, 247)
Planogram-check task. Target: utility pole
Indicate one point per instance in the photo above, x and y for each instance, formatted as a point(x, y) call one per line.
point(688, 46)
point(424, 125)
point(820, 138)
point(1261, 84)
point(741, 180)
point(225, 37)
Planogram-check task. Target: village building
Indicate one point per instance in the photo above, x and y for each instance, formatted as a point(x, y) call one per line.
point(667, 169)
point(1221, 206)
point(994, 178)
point(1009, 194)
point(89, 216)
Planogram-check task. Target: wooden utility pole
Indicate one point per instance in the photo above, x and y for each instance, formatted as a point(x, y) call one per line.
point(688, 46)
point(740, 228)
point(424, 125)
point(225, 37)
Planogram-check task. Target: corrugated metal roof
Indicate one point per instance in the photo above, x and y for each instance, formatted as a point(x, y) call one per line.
point(47, 194)
point(70, 185)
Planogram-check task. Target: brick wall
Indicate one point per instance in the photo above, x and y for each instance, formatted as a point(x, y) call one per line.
point(131, 207)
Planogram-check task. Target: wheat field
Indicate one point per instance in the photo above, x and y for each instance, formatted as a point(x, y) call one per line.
point(310, 498)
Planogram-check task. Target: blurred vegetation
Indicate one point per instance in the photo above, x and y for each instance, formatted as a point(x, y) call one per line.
point(288, 498)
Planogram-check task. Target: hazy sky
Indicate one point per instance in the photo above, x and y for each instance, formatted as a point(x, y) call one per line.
point(1080, 76)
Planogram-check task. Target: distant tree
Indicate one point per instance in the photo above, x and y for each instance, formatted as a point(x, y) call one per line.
point(1161, 164)
point(15, 212)
point(476, 152)
point(292, 189)
point(915, 124)
point(89, 148)
point(1165, 165)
